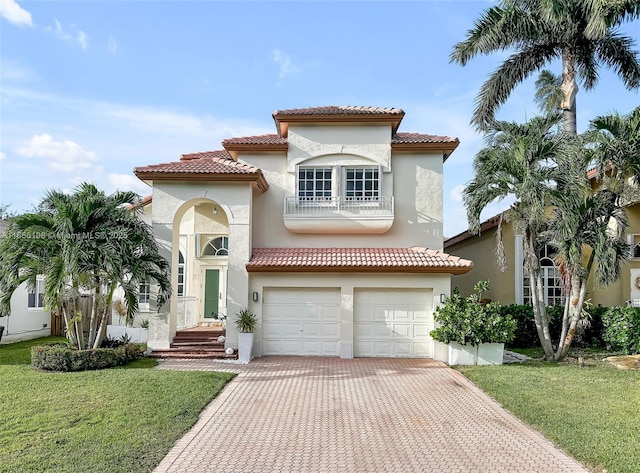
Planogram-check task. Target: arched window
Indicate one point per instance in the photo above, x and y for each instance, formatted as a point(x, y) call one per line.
point(217, 247)
point(551, 282)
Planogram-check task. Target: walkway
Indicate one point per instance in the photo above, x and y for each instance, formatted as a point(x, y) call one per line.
point(307, 414)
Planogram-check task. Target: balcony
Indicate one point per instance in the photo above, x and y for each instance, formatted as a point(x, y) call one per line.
point(348, 215)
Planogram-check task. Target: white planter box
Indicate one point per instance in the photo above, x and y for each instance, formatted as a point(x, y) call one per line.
point(440, 351)
point(490, 353)
point(462, 354)
point(137, 334)
point(245, 347)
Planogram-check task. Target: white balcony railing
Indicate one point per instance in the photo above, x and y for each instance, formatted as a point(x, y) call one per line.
point(338, 206)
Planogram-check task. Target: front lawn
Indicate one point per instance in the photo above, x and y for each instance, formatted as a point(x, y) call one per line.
point(593, 412)
point(116, 420)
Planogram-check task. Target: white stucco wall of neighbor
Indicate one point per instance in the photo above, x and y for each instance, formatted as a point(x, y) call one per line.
point(170, 203)
point(348, 285)
point(413, 179)
point(24, 323)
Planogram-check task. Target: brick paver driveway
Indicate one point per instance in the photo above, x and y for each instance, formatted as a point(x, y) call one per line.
point(295, 414)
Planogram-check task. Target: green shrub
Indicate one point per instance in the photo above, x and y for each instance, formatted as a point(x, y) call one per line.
point(622, 329)
point(65, 358)
point(467, 321)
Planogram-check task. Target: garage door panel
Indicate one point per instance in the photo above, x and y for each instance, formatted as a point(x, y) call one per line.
point(301, 321)
point(393, 322)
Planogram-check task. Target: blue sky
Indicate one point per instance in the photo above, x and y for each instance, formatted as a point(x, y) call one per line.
point(89, 90)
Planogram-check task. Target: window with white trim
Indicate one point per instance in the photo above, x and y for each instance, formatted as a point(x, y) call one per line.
point(355, 183)
point(144, 294)
point(634, 243)
point(551, 282)
point(315, 183)
point(35, 296)
point(362, 183)
point(218, 246)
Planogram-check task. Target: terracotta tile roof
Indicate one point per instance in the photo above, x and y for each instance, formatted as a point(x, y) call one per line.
point(205, 166)
point(339, 110)
point(200, 163)
point(361, 260)
point(271, 139)
point(421, 138)
point(417, 142)
point(206, 154)
point(335, 114)
point(487, 225)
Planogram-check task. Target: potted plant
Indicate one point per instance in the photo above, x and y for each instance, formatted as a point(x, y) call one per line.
point(474, 330)
point(246, 323)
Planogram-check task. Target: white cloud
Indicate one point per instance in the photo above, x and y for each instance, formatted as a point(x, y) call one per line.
point(2, 156)
point(64, 156)
point(456, 193)
point(112, 45)
point(14, 13)
point(126, 182)
point(283, 60)
point(76, 35)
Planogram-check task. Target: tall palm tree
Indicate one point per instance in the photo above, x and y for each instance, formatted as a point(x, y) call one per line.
point(581, 33)
point(85, 242)
point(520, 161)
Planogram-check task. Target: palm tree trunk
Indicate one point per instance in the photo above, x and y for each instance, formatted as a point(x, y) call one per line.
point(102, 330)
point(532, 267)
point(577, 296)
point(94, 313)
point(569, 89)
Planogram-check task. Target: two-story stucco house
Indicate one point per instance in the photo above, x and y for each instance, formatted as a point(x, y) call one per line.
point(329, 230)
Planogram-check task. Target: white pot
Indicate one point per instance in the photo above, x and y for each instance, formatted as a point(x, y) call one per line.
point(245, 347)
point(490, 353)
point(462, 354)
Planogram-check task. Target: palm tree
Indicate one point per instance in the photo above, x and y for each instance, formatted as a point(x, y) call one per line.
point(582, 34)
point(618, 150)
point(85, 242)
point(520, 161)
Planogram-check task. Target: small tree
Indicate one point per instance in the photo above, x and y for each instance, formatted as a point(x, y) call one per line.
point(83, 243)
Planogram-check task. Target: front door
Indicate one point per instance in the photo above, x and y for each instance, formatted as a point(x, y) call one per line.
point(211, 293)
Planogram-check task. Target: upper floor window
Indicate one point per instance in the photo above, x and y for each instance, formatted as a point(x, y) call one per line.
point(553, 291)
point(362, 183)
point(315, 183)
point(218, 246)
point(348, 182)
point(35, 296)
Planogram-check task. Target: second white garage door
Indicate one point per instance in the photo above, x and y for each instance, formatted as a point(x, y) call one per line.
point(393, 322)
point(301, 321)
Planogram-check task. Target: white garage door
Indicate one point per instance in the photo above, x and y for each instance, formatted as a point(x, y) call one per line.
point(301, 321)
point(393, 322)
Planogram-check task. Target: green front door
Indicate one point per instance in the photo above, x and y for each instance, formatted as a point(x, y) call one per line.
point(211, 292)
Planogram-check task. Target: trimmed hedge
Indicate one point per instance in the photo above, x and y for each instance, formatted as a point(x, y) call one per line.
point(61, 357)
point(622, 329)
point(589, 335)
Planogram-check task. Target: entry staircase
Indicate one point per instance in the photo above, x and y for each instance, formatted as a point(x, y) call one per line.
point(196, 343)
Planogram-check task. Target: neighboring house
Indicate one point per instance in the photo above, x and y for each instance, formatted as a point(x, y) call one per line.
point(27, 319)
point(511, 286)
point(330, 231)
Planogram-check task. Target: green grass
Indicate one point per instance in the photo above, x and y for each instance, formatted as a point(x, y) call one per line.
point(593, 413)
point(117, 420)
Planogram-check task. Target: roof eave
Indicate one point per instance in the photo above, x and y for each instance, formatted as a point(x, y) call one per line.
point(455, 270)
point(282, 122)
point(234, 149)
point(446, 147)
point(151, 176)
